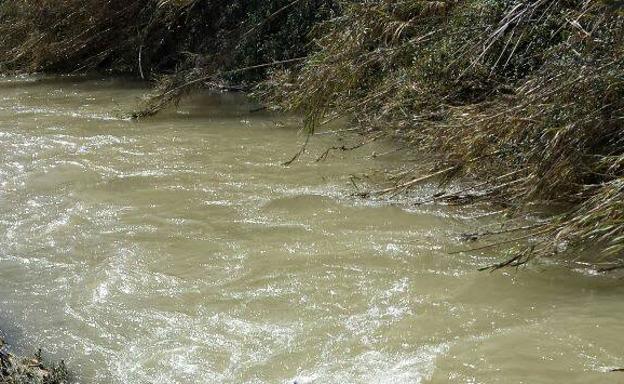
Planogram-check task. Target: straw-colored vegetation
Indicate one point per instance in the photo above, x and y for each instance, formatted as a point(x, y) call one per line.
point(526, 97)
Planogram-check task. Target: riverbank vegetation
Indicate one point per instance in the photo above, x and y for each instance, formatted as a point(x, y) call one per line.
point(173, 42)
point(526, 97)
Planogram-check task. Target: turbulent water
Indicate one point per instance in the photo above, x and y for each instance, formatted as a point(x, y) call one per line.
point(179, 249)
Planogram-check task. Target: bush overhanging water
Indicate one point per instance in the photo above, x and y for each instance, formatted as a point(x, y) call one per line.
point(526, 96)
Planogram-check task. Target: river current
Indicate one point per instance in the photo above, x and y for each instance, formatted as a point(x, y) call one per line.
point(179, 249)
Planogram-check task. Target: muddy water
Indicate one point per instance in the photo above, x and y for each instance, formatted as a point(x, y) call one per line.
point(180, 250)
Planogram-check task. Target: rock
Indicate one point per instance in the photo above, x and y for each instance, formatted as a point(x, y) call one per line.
point(31, 370)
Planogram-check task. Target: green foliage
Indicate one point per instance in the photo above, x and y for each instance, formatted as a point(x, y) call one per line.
point(71, 35)
point(152, 37)
point(183, 44)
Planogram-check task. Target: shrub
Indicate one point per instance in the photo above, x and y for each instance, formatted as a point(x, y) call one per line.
point(526, 96)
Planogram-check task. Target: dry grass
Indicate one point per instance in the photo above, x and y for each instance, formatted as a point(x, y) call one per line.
point(525, 96)
point(172, 42)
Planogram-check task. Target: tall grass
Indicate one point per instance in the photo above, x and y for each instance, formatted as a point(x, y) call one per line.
point(150, 38)
point(525, 96)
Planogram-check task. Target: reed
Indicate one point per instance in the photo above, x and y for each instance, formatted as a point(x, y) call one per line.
point(525, 96)
point(154, 38)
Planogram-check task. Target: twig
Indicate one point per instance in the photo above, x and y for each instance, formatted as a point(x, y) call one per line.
point(337, 131)
point(612, 268)
point(501, 242)
point(413, 181)
point(301, 151)
point(351, 148)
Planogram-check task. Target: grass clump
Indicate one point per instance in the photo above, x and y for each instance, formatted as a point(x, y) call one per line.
point(525, 96)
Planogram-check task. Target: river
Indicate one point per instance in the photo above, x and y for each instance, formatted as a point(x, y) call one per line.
point(179, 249)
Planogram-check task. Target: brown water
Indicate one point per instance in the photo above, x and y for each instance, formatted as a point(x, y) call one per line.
point(180, 250)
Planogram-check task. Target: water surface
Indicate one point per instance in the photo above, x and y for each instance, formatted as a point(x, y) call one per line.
point(180, 250)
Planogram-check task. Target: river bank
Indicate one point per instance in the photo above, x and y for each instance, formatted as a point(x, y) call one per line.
point(524, 98)
point(31, 370)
